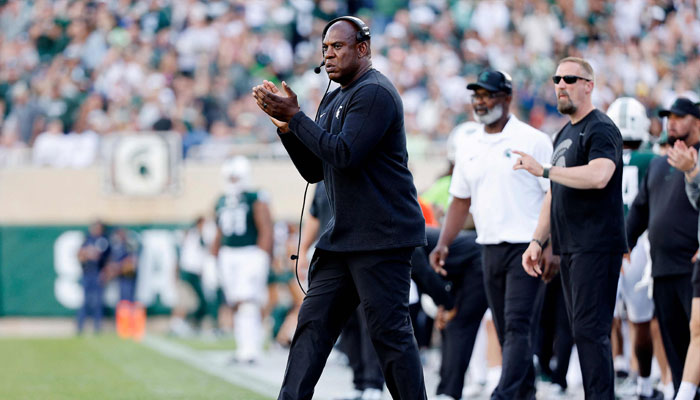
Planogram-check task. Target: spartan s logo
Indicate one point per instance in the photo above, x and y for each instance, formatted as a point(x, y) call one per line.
point(558, 158)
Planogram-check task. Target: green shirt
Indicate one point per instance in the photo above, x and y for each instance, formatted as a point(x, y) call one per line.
point(234, 216)
point(635, 167)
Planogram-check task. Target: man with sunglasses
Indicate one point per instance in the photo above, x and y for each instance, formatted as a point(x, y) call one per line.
point(505, 204)
point(583, 212)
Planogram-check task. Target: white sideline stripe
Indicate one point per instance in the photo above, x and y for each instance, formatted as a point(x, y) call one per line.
point(190, 357)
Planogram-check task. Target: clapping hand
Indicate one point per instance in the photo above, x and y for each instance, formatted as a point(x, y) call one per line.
point(281, 107)
point(682, 157)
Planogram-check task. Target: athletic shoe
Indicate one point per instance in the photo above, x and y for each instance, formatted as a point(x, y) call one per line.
point(354, 395)
point(372, 394)
point(443, 397)
point(626, 387)
point(655, 395)
point(474, 389)
point(668, 391)
point(551, 390)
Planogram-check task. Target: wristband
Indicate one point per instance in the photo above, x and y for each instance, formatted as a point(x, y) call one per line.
point(545, 172)
point(543, 245)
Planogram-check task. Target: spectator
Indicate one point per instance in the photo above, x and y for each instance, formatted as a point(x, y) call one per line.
point(123, 262)
point(50, 149)
point(194, 60)
point(93, 255)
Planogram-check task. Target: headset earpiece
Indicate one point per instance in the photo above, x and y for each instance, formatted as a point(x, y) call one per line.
point(363, 33)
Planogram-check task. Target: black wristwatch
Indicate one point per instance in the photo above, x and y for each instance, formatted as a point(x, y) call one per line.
point(545, 171)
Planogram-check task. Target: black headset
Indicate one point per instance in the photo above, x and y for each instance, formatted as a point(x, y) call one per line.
point(362, 34)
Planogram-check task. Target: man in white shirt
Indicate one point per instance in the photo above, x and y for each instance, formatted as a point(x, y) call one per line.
point(505, 204)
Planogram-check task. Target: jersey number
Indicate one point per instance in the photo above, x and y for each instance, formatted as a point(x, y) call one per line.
point(630, 184)
point(233, 220)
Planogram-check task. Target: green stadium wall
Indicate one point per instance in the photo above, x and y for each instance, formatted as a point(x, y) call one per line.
point(38, 275)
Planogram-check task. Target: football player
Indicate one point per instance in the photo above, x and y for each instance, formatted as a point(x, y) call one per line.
point(244, 247)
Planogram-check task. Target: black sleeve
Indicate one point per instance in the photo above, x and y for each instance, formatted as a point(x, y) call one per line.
point(369, 113)
point(603, 141)
point(308, 165)
point(638, 215)
point(428, 281)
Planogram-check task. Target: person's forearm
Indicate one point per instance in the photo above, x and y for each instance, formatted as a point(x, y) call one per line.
point(309, 232)
point(457, 214)
point(542, 230)
point(216, 244)
point(595, 175)
point(264, 225)
point(692, 188)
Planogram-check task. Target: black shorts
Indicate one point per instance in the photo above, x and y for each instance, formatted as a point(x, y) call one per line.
point(696, 279)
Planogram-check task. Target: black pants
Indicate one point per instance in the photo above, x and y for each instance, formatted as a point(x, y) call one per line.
point(515, 299)
point(673, 296)
point(460, 333)
point(357, 346)
point(464, 271)
point(379, 281)
point(555, 334)
point(589, 281)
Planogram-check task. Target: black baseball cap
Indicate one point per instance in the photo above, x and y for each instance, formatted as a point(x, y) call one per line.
point(682, 107)
point(493, 81)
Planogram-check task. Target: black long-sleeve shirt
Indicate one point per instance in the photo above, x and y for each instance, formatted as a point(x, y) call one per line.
point(358, 148)
point(662, 207)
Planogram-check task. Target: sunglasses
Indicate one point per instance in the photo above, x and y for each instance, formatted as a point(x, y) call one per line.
point(568, 79)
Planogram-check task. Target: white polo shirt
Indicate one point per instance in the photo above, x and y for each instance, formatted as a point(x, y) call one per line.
point(505, 203)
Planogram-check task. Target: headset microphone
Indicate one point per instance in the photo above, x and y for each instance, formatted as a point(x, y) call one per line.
point(318, 69)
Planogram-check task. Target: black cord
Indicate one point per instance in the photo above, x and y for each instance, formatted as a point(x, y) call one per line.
point(295, 257)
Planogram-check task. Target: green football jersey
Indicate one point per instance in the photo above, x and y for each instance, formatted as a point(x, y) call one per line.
point(636, 164)
point(234, 216)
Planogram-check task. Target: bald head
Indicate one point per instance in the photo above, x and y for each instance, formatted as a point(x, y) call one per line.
point(348, 31)
point(345, 57)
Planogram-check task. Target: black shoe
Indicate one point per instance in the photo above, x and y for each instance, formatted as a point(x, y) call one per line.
point(621, 374)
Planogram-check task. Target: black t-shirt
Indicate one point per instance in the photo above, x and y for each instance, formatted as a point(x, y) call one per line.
point(588, 220)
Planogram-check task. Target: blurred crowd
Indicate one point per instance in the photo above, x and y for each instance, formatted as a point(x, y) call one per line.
point(72, 71)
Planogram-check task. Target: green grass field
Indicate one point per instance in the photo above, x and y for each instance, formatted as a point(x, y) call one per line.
point(104, 367)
